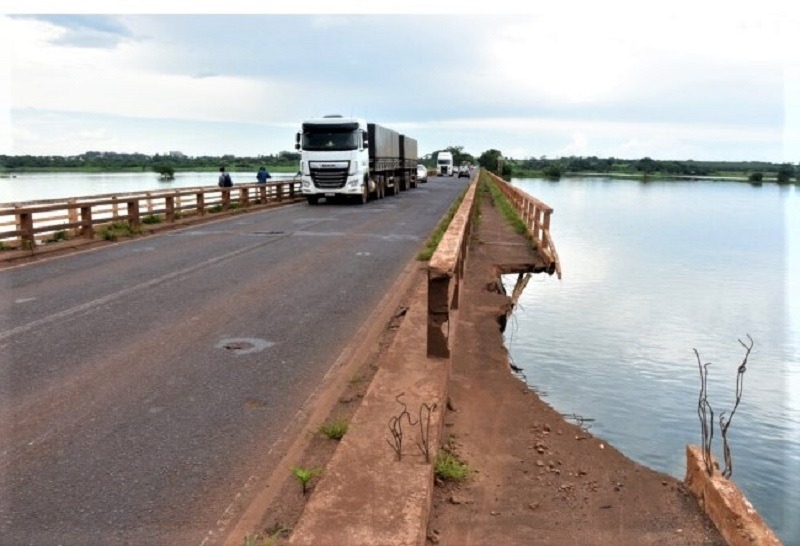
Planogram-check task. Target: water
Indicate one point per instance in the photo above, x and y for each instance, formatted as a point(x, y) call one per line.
point(35, 186)
point(651, 271)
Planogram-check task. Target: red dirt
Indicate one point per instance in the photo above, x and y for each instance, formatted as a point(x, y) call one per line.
point(537, 478)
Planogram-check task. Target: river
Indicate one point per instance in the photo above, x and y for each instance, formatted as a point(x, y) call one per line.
point(652, 271)
point(35, 186)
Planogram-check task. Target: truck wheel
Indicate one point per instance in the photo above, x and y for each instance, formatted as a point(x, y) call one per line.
point(381, 190)
point(312, 199)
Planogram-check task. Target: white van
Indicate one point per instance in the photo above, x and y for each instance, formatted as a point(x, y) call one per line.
point(444, 164)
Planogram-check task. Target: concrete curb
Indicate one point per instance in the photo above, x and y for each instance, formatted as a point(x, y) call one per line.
point(367, 496)
point(726, 506)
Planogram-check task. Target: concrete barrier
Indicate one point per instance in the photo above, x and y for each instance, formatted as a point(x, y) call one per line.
point(726, 506)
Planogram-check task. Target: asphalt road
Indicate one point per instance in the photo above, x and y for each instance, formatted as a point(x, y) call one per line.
point(139, 383)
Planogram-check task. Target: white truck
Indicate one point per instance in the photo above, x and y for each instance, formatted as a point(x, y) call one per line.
point(444, 164)
point(348, 157)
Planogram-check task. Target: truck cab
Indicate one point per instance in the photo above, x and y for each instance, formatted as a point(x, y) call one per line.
point(334, 158)
point(444, 164)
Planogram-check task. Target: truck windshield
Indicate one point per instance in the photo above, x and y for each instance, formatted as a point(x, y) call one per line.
point(330, 139)
point(445, 161)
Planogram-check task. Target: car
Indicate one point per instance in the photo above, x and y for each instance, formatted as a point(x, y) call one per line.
point(422, 173)
point(463, 171)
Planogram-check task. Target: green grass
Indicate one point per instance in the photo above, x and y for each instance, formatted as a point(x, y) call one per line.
point(4, 247)
point(58, 236)
point(151, 219)
point(334, 430)
point(451, 468)
point(441, 229)
point(506, 209)
point(115, 230)
point(304, 475)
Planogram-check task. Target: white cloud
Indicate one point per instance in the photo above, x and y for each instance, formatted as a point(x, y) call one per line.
point(659, 80)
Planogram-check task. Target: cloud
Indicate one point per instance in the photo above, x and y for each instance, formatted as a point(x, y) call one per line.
point(92, 31)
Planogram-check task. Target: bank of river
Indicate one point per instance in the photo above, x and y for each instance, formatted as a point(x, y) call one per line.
point(651, 271)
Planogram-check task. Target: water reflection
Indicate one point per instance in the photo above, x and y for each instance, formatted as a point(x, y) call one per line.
point(652, 271)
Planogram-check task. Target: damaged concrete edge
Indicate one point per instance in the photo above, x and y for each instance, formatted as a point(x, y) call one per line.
point(726, 506)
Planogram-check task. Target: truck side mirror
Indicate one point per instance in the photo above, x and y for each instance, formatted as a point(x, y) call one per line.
point(297, 141)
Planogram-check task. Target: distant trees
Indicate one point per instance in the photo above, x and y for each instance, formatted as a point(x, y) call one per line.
point(114, 161)
point(166, 172)
point(756, 177)
point(489, 160)
point(785, 173)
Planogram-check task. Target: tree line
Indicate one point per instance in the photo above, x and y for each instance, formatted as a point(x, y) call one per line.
point(109, 161)
point(491, 159)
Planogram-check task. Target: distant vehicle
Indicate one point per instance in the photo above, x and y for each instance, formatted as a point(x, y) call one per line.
point(422, 173)
point(444, 164)
point(464, 171)
point(348, 157)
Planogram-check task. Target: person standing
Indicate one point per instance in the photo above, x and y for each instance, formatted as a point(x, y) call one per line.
point(262, 175)
point(224, 179)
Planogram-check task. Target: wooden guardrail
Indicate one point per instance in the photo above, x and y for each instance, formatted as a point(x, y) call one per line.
point(536, 216)
point(445, 275)
point(24, 223)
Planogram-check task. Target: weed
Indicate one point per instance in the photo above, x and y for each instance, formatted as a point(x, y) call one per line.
point(436, 236)
point(4, 247)
point(506, 208)
point(304, 475)
point(449, 467)
point(115, 230)
point(273, 534)
point(334, 430)
point(151, 219)
point(60, 235)
point(215, 208)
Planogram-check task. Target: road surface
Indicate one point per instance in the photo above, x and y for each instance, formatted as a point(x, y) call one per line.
point(142, 383)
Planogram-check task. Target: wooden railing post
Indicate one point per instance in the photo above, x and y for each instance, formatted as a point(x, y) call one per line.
point(244, 196)
point(87, 227)
point(25, 227)
point(169, 206)
point(149, 202)
point(291, 190)
point(226, 199)
point(72, 216)
point(279, 187)
point(178, 202)
point(200, 197)
point(262, 194)
point(114, 208)
point(133, 213)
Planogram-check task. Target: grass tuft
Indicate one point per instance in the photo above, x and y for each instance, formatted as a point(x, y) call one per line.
point(451, 468)
point(436, 236)
point(334, 430)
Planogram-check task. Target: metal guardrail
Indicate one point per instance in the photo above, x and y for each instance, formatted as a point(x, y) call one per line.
point(79, 216)
point(536, 215)
point(445, 275)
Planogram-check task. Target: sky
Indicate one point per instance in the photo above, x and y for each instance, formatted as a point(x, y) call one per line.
point(700, 80)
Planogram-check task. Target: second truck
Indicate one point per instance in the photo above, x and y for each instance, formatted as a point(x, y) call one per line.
point(348, 157)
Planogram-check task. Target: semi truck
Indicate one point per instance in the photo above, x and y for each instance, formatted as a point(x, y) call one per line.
point(350, 158)
point(444, 164)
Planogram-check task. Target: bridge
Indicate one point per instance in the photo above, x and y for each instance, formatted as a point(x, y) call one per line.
point(151, 384)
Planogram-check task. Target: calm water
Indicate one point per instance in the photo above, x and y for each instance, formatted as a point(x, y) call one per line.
point(651, 271)
point(30, 187)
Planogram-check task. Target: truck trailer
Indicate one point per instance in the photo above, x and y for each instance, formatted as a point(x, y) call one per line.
point(348, 157)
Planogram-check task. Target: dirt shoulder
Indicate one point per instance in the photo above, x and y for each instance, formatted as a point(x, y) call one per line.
point(537, 479)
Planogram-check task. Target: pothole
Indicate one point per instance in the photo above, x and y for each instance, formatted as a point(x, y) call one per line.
point(243, 346)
